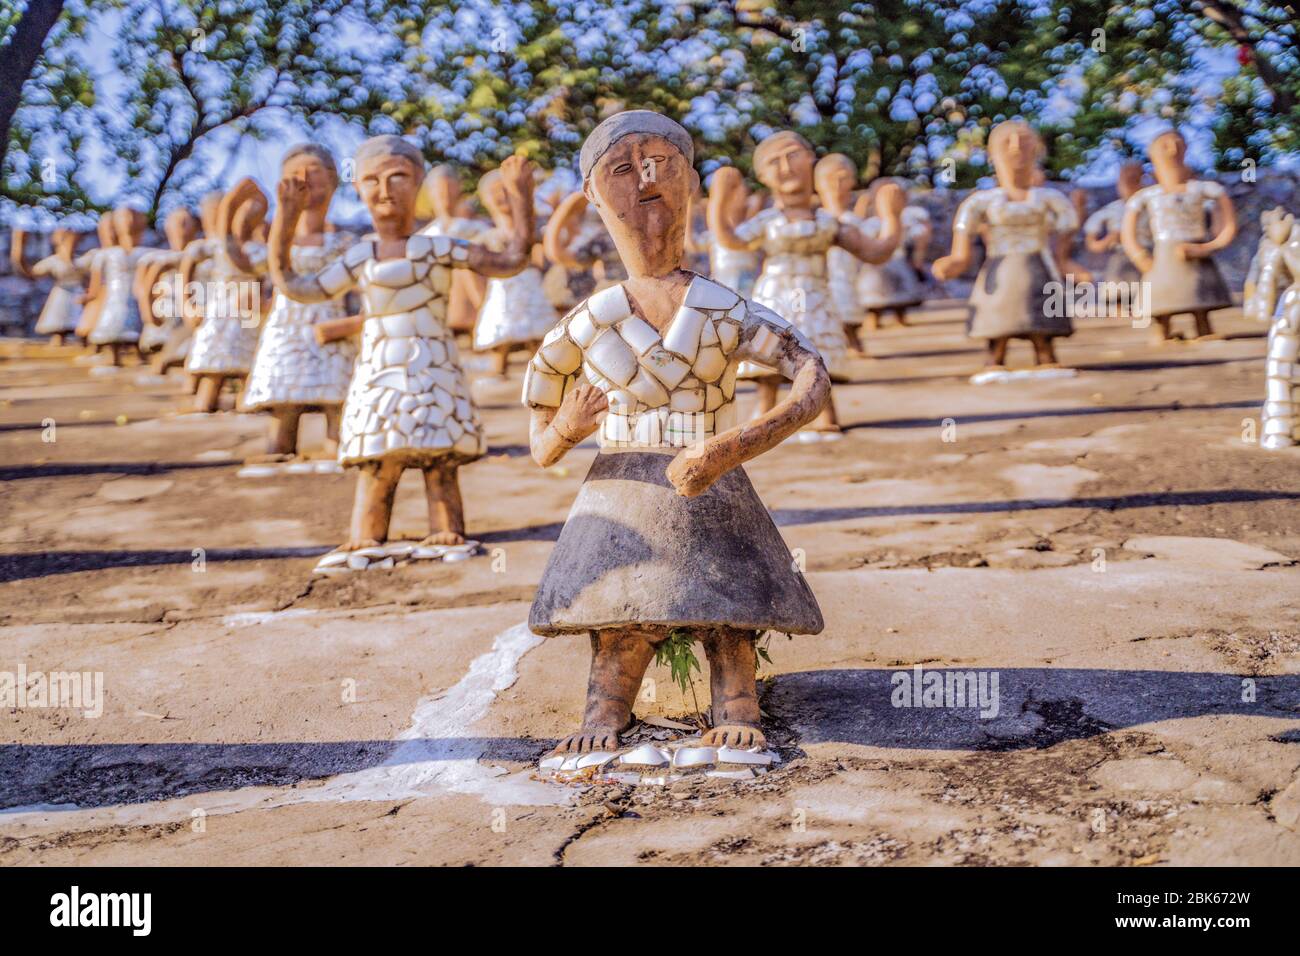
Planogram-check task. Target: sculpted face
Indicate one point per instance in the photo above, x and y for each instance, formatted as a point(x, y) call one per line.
point(1168, 149)
point(642, 188)
point(492, 191)
point(180, 228)
point(319, 177)
point(787, 171)
point(835, 178)
point(249, 216)
point(129, 225)
point(446, 194)
point(1015, 149)
point(64, 240)
point(1130, 179)
point(388, 186)
point(105, 230)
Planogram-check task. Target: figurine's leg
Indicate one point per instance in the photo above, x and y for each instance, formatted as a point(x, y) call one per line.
point(1160, 333)
point(446, 511)
point(333, 413)
point(1044, 350)
point(116, 352)
point(500, 360)
point(192, 383)
point(997, 352)
point(901, 315)
point(872, 320)
point(1203, 328)
point(208, 394)
point(284, 430)
point(56, 339)
point(768, 386)
point(854, 335)
point(734, 712)
point(827, 420)
point(372, 508)
point(619, 658)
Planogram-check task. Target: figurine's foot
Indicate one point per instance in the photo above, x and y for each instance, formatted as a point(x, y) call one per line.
point(739, 736)
point(271, 457)
point(1209, 337)
point(356, 544)
point(444, 537)
point(588, 740)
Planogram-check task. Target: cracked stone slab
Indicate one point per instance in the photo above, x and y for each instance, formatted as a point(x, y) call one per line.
point(1212, 552)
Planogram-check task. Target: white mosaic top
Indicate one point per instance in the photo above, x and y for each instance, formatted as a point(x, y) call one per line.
point(1180, 216)
point(794, 246)
point(665, 390)
point(1016, 225)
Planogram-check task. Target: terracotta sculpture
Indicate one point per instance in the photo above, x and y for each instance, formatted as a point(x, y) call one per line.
point(1275, 228)
point(118, 325)
point(88, 262)
point(795, 239)
point(292, 372)
point(161, 304)
point(666, 531)
point(1018, 222)
point(1280, 270)
point(225, 340)
point(897, 284)
point(449, 219)
point(834, 178)
point(194, 276)
point(62, 310)
point(1180, 272)
point(1102, 229)
point(409, 404)
point(514, 312)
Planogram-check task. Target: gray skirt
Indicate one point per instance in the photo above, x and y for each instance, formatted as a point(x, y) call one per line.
point(1183, 285)
point(1120, 268)
point(892, 285)
point(1012, 297)
point(633, 551)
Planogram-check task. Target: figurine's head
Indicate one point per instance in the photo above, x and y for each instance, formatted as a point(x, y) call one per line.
point(180, 227)
point(1277, 223)
point(1168, 150)
point(106, 231)
point(1016, 149)
point(637, 171)
point(445, 192)
point(209, 207)
point(1130, 179)
point(834, 176)
point(494, 196)
point(313, 165)
point(784, 164)
point(64, 242)
point(129, 225)
point(389, 173)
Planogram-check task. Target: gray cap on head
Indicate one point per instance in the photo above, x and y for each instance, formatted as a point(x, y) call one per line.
point(627, 123)
point(389, 145)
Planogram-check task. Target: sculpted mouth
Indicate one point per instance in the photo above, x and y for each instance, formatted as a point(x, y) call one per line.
point(648, 199)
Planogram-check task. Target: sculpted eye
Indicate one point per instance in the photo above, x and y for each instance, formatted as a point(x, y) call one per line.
point(622, 168)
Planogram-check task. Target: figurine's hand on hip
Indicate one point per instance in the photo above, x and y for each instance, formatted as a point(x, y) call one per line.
point(579, 413)
point(693, 472)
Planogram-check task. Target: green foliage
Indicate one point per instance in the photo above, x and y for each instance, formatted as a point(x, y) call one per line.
point(677, 653)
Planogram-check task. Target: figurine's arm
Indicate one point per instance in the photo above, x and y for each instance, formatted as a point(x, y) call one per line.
point(1225, 217)
point(968, 220)
point(726, 182)
point(1264, 300)
point(245, 191)
point(862, 206)
point(517, 177)
point(924, 232)
point(291, 198)
point(876, 249)
point(553, 431)
point(1129, 239)
point(560, 230)
point(697, 467)
point(146, 275)
point(95, 284)
point(1097, 236)
point(17, 253)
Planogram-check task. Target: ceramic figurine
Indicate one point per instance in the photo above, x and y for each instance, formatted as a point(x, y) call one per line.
point(161, 303)
point(737, 269)
point(795, 239)
point(225, 340)
point(193, 275)
point(292, 372)
point(1180, 273)
point(834, 178)
point(409, 404)
point(88, 262)
point(450, 219)
point(578, 240)
point(1102, 229)
point(1275, 228)
point(1012, 295)
point(1066, 239)
point(897, 284)
point(119, 325)
point(515, 311)
point(666, 531)
point(61, 311)
point(1280, 270)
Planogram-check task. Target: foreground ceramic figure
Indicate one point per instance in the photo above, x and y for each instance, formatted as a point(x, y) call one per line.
point(226, 338)
point(293, 373)
point(666, 531)
point(1181, 274)
point(897, 284)
point(1277, 298)
point(515, 311)
point(409, 404)
point(119, 325)
point(61, 311)
point(1011, 298)
point(160, 306)
point(795, 239)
